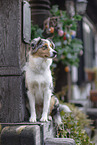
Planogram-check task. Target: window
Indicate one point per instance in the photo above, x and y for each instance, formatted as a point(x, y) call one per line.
point(89, 54)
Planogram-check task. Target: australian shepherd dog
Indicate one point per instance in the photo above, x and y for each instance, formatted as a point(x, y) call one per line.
point(39, 82)
point(39, 79)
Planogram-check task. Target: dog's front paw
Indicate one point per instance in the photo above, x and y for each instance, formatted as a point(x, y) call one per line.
point(32, 119)
point(44, 119)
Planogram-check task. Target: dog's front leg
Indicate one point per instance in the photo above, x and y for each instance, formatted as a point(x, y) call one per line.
point(31, 98)
point(46, 104)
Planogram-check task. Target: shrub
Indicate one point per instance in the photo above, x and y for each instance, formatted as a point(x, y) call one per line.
point(73, 126)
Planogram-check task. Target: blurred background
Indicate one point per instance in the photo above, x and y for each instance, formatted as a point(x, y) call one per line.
point(72, 26)
point(72, 70)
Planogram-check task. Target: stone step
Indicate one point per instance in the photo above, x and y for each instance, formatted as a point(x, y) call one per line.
point(80, 103)
point(31, 134)
point(59, 141)
point(21, 135)
point(26, 133)
point(92, 112)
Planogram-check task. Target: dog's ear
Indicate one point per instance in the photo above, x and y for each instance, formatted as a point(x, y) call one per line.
point(35, 42)
point(53, 45)
point(39, 41)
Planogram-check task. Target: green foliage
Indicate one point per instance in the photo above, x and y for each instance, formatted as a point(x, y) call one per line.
point(55, 11)
point(69, 49)
point(68, 53)
point(73, 126)
point(36, 31)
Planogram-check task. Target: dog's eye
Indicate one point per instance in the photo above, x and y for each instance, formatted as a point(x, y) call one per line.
point(33, 45)
point(45, 47)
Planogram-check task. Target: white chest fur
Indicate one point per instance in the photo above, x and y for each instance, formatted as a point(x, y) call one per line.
point(38, 76)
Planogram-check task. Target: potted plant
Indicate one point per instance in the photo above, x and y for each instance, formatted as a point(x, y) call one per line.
point(90, 74)
point(93, 95)
point(62, 30)
point(93, 92)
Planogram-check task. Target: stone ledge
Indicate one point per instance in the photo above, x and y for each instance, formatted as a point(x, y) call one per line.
point(21, 135)
point(83, 105)
point(80, 103)
point(92, 112)
point(59, 141)
point(26, 133)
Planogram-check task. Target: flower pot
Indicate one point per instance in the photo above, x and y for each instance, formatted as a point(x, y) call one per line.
point(90, 75)
point(93, 95)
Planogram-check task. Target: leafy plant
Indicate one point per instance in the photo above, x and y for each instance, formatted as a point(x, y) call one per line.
point(36, 31)
point(73, 126)
point(62, 30)
point(67, 45)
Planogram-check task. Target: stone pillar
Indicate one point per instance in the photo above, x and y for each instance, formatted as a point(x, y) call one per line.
point(12, 57)
point(39, 11)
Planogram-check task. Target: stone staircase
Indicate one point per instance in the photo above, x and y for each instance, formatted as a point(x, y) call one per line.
point(31, 134)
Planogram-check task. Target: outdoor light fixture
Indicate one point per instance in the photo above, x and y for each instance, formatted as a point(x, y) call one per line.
point(76, 6)
point(81, 6)
point(70, 7)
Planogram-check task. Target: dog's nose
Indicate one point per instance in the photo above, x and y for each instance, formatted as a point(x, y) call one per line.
point(54, 52)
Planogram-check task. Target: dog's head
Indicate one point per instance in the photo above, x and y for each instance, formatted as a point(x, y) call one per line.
point(43, 48)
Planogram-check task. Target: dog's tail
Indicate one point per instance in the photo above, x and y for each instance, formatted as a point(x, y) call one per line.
point(64, 108)
point(56, 108)
point(57, 116)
